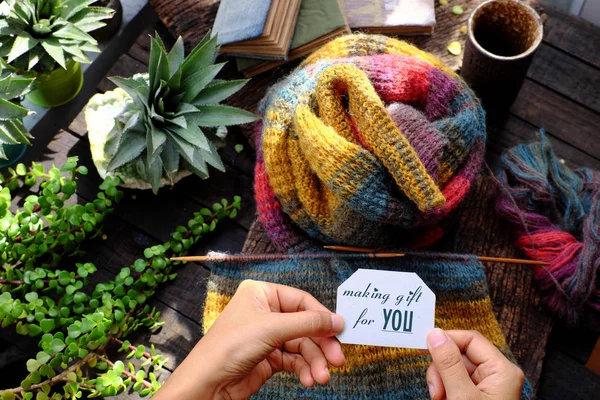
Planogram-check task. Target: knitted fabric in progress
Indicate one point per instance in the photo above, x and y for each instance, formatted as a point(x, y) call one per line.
point(368, 140)
point(462, 302)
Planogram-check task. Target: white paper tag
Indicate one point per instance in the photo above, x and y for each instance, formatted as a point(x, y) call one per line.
point(386, 308)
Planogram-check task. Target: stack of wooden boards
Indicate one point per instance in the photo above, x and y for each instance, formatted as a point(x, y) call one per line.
point(264, 34)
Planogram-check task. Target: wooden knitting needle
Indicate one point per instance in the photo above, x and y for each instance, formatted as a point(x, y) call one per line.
point(358, 251)
point(271, 256)
point(481, 258)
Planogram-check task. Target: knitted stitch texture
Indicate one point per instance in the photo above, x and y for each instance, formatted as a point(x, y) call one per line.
point(368, 140)
point(462, 302)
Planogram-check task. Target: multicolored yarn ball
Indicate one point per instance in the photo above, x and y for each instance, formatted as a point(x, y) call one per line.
point(368, 140)
point(556, 212)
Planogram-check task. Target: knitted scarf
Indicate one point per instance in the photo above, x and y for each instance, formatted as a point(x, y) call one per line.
point(369, 140)
point(462, 302)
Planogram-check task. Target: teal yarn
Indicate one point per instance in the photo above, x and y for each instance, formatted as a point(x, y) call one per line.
point(556, 213)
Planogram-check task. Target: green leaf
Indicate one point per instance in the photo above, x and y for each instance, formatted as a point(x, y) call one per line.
point(239, 148)
point(176, 55)
point(54, 50)
point(57, 345)
point(154, 171)
point(9, 110)
point(8, 396)
point(31, 297)
point(193, 135)
point(192, 85)
point(32, 365)
point(74, 331)
point(13, 132)
point(158, 65)
point(22, 44)
point(42, 357)
point(202, 56)
point(47, 325)
point(221, 115)
point(71, 31)
point(41, 396)
point(155, 139)
point(218, 91)
point(130, 146)
point(139, 351)
point(212, 158)
point(75, 51)
point(33, 330)
point(170, 159)
point(134, 88)
point(71, 7)
point(119, 367)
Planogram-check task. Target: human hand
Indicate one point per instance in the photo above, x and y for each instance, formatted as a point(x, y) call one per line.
point(265, 328)
point(467, 366)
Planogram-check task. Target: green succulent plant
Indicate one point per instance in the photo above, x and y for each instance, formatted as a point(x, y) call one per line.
point(38, 35)
point(176, 116)
point(12, 130)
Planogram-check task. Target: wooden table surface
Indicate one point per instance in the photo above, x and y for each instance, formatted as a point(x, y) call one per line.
point(561, 94)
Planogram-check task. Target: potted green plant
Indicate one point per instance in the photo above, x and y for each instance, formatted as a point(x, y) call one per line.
point(159, 127)
point(47, 39)
point(14, 138)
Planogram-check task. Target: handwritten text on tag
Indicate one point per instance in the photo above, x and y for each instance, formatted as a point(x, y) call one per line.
point(386, 308)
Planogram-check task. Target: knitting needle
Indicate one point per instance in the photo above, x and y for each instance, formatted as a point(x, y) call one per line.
point(481, 258)
point(270, 257)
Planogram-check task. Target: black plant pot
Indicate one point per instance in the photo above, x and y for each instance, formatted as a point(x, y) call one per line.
point(113, 24)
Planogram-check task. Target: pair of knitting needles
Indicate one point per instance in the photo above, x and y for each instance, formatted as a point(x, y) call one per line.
point(356, 251)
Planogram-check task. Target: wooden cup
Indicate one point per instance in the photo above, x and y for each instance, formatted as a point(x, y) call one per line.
point(503, 36)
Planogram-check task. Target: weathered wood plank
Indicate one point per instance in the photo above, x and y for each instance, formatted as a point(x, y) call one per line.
point(572, 35)
point(560, 116)
point(125, 66)
point(564, 378)
point(77, 126)
point(503, 135)
point(567, 75)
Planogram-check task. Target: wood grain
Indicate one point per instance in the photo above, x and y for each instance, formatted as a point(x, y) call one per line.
point(573, 35)
point(566, 75)
point(511, 131)
point(560, 116)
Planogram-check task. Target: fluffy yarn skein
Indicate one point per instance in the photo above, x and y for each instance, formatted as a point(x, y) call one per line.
point(369, 140)
point(556, 212)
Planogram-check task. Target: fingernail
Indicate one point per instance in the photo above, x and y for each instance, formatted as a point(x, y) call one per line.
point(327, 371)
point(436, 337)
point(431, 390)
point(337, 323)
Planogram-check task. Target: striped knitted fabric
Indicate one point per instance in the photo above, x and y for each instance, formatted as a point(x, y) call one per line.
point(369, 140)
point(462, 302)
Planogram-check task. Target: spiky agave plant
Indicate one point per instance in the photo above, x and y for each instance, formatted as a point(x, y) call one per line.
point(12, 130)
point(36, 35)
point(177, 113)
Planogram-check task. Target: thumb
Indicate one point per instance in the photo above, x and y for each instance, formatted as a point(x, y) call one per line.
point(449, 364)
point(288, 326)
